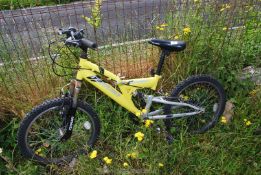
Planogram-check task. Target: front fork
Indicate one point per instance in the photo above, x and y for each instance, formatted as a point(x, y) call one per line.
point(68, 113)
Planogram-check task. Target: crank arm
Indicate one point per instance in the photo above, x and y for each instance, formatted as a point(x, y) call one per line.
point(159, 111)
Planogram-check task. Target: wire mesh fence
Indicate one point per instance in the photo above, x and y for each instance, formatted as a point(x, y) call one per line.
point(126, 26)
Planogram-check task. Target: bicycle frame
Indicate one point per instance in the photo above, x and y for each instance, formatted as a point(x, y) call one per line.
point(88, 71)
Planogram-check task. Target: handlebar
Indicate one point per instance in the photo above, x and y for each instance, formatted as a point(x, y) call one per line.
point(76, 39)
point(88, 44)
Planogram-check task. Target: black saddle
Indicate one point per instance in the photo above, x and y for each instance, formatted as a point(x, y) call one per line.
point(169, 45)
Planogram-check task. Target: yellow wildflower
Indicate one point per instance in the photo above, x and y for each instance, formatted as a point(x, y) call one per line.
point(247, 122)
point(107, 160)
point(125, 164)
point(40, 155)
point(164, 25)
point(139, 136)
point(176, 37)
point(196, 1)
point(224, 7)
point(161, 28)
point(184, 97)
point(161, 165)
point(223, 120)
point(224, 28)
point(148, 123)
point(253, 92)
point(228, 6)
point(132, 155)
point(38, 151)
point(93, 154)
point(186, 30)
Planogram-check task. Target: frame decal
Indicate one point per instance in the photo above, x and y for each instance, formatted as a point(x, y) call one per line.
point(95, 79)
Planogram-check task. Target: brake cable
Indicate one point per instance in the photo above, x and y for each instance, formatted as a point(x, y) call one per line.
point(54, 62)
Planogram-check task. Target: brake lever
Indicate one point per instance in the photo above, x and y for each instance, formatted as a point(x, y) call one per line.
point(82, 31)
point(72, 42)
point(72, 35)
point(72, 29)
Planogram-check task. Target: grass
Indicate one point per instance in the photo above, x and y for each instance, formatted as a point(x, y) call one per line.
point(214, 152)
point(25, 87)
point(231, 148)
point(227, 149)
point(16, 4)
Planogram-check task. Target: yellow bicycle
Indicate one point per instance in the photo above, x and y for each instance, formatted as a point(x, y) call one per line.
point(60, 129)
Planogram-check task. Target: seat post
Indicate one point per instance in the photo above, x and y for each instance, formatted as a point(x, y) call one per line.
point(163, 55)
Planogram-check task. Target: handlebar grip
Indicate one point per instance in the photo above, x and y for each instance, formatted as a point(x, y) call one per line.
point(84, 43)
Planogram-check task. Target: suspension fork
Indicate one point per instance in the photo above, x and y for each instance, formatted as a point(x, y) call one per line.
point(74, 89)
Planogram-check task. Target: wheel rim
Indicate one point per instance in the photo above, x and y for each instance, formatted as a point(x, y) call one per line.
point(43, 138)
point(202, 94)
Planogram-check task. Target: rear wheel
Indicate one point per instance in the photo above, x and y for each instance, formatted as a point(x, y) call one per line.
point(40, 132)
point(202, 91)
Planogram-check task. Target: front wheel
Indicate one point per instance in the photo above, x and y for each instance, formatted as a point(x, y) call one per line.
point(39, 135)
point(202, 91)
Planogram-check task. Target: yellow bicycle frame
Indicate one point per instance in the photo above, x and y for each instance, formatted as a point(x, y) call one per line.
point(88, 72)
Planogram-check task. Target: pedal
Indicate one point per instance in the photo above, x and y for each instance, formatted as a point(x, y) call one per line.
point(169, 138)
point(158, 130)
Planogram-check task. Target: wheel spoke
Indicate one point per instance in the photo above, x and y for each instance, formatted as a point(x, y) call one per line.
point(201, 91)
point(42, 134)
